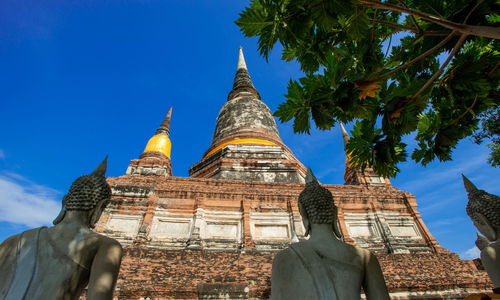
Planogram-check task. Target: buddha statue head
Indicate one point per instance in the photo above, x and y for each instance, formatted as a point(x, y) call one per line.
point(88, 193)
point(484, 210)
point(316, 205)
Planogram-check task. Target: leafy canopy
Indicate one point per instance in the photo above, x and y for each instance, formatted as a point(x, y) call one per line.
point(397, 67)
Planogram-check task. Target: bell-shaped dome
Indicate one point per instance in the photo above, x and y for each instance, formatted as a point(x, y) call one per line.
point(246, 144)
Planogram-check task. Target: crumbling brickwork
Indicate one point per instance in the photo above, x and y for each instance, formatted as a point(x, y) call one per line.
point(443, 274)
point(165, 274)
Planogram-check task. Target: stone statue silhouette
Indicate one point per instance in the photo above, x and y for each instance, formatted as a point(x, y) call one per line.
point(484, 210)
point(60, 261)
point(324, 267)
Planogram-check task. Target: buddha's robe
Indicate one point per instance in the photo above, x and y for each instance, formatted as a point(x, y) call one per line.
point(32, 268)
point(299, 272)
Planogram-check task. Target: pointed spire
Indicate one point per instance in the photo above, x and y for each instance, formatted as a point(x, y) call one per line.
point(469, 186)
point(345, 135)
point(241, 60)
point(100, 171)
point(165, 125)
point(309, 175)
point(242, 84)
point(310, 178)
point(160, 142)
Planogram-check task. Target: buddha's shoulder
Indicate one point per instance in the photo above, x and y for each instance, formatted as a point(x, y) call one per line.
point(9, 247)
point(95, 243)
point(293, 251)
point(10, 242)
point(26, 234)
point(286, 262)
point(289, 254)
point(104, 240)
point(365, 253)
point(284, 254)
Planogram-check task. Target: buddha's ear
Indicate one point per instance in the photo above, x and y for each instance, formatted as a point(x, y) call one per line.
point(307, 226)
point(305, 220)
point(485, 227)
point(335, 225)
point(336, 230)
point(61, 214)
point(96, 213)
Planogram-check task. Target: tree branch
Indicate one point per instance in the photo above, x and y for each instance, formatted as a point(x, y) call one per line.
point(472, 10)
point(373, 27)
point(413, 20)
point(393, 58)
point(486, 31)
point(468, 109)
point(388, 46)
point(402, 27)
point(457, 47)
point(494, 68)
point(436, 33)
point(408, 28)
point(418, 58)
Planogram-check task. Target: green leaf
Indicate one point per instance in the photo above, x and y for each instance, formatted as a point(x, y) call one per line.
point(295, 107)
point(253, 19)
point(339, 43)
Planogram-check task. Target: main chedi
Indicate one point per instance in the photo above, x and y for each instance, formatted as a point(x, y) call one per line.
point(215, 233)
point(246, 132)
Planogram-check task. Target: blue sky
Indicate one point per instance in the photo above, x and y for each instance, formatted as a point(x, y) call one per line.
point(82, 79)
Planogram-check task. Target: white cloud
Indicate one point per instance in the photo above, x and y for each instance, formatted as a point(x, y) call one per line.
point(327, 171)
point(444, 174)
point(437, 201)
point(24, 202)
point(446, 222)
point(471, 253)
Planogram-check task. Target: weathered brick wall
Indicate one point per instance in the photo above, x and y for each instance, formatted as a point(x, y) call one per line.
point(427, 272)
point(162, 274)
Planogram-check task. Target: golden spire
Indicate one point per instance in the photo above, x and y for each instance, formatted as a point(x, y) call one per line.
point(160, 142)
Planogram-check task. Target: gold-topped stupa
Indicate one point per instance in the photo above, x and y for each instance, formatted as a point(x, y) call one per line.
point(155, 159)
point(160, 142)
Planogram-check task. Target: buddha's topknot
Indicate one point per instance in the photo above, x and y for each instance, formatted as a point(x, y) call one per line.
point(317, 202)
point(86, 192)
point(482, 202)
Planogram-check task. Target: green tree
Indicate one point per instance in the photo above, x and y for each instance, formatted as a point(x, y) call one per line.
point(490, 130)
point(397, 67)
